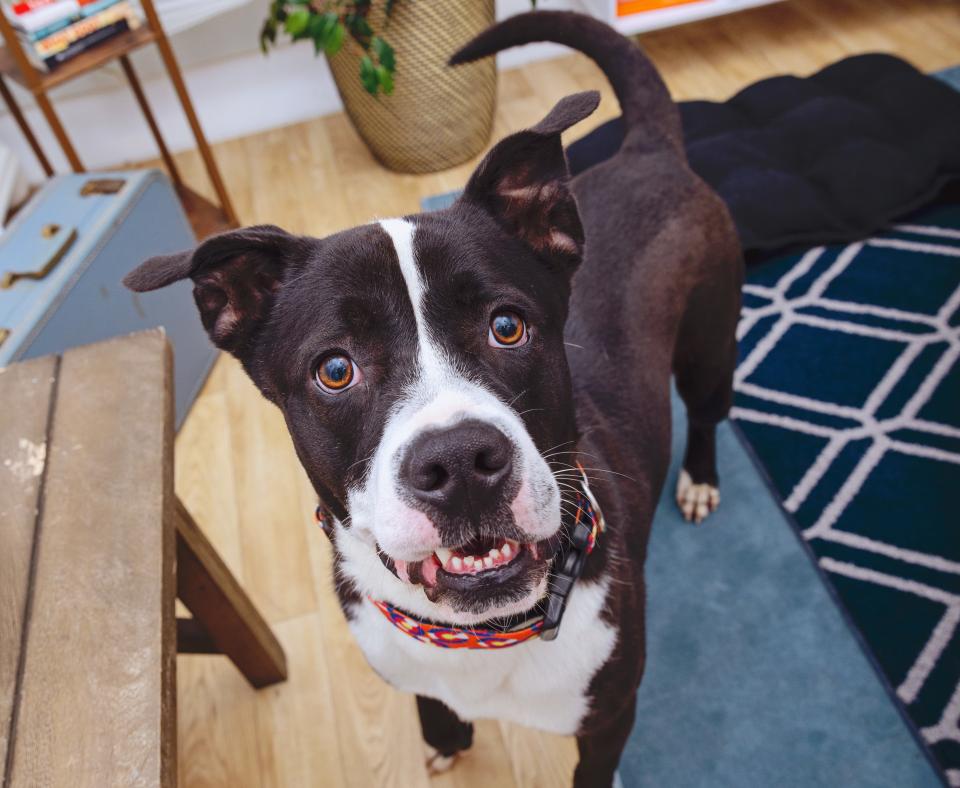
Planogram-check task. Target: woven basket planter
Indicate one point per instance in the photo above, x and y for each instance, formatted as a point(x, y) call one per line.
point(437, 116)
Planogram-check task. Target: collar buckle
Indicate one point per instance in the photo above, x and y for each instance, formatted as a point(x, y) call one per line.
point(566, 572)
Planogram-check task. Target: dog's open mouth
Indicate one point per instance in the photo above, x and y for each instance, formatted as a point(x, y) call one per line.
point(483, 567)
point(483, 564)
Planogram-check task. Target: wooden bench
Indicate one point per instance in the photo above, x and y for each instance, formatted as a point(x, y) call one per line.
point(94, 549)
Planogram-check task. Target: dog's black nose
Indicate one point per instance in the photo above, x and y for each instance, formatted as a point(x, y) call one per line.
point(462, 466)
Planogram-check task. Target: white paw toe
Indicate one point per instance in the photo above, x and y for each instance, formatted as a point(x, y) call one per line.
point(438, 764)
point(696, 501)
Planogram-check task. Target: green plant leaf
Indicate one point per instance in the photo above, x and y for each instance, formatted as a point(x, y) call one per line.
point(384, 53)
point(385, 78)
point(368, 75)
point(335, 40)
point(297, 23)
point(359, 28)
point(319, 29)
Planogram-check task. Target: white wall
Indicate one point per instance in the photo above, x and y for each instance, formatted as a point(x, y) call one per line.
point(235, 89)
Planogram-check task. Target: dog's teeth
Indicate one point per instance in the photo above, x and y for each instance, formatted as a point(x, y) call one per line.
point(469, 560)
point(444, 555)
point(507, 552)
point(457, 564)
point(488, 562)
point(494, 554)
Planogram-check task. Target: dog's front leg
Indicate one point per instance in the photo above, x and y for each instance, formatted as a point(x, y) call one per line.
point(600, 748)
point(445, 733)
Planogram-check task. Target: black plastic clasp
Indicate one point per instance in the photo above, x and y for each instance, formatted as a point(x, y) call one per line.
point(566, 572)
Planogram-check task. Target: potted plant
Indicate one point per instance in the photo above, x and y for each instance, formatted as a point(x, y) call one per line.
point(388, 59)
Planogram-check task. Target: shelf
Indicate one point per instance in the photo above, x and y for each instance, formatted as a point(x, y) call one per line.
point(95, 57)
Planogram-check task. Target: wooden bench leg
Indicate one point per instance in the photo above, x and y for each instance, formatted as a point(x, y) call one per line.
point(222, 608)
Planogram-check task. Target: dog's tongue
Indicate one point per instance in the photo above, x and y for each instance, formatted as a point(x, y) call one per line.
point(428, 570)
point(421, 572)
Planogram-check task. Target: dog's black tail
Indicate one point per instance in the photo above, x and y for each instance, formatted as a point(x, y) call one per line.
point(642, 95)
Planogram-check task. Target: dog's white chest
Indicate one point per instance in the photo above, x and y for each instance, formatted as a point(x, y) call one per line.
point(537, 683)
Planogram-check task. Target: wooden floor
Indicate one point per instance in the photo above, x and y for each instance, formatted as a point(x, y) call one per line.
point(335, 723)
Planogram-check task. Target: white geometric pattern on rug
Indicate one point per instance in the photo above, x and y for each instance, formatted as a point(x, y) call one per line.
point(914, 331)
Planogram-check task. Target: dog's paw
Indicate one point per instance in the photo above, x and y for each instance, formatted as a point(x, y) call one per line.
point(696, 501)
point(438, 764)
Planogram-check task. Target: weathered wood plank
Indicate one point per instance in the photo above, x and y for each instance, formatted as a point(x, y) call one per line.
point(98, 689)
point(25, 393)
point(218, 603)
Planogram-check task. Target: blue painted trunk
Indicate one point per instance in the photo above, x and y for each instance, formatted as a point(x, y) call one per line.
point(64, 256)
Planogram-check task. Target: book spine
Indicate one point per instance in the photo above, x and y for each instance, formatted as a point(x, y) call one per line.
point(47, 15)
point(86, 10)
point(26, 6)
point(62, 39)
point(91, 7)
point(86, 43)
point(630, 7)
point(43, 32)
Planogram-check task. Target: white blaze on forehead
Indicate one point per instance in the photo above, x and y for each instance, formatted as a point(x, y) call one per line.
point(401, 232)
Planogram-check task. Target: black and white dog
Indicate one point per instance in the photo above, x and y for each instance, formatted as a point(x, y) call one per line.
point(455, 382)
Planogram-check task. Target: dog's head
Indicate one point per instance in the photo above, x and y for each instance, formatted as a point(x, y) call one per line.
point(420, 366)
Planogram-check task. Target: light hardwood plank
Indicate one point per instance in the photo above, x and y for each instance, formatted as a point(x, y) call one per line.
point(276, 567)
point(299, 744)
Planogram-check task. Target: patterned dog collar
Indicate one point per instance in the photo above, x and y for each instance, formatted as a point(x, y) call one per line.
point(587, 524)
point(458, 637)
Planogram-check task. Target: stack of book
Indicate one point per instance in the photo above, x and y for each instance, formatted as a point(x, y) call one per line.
point(53, 31)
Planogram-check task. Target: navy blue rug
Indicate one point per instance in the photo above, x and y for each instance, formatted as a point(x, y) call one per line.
point(848, 391)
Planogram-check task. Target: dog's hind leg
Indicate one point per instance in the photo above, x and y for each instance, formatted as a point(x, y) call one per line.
point(444, 732)
point(704, 361)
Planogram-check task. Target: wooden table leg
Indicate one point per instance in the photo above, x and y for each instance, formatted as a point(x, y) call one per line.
point(58, 131)
point(22, 123)
point(151, 120)
point(218, 603)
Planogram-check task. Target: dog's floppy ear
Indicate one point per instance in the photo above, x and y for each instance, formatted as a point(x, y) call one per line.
point(524, 183)
point(235, 275)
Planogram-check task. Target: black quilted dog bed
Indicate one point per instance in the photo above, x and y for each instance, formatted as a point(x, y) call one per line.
point(828, 158)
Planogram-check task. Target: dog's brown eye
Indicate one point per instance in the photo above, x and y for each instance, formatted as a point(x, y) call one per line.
point(336, 372)
point(507, 329)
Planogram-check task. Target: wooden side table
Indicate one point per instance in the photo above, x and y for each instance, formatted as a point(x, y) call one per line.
point(206, 217)
point(94, 548)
